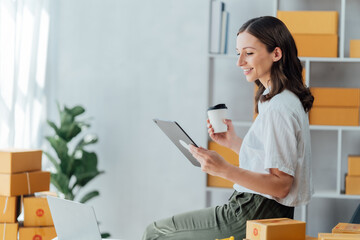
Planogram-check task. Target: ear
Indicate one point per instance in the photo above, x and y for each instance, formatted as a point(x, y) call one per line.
point(277, 54)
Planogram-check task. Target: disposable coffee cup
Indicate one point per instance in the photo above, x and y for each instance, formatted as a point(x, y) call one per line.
point(216, 115)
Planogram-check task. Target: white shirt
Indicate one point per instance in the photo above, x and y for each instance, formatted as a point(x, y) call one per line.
point(280, 138)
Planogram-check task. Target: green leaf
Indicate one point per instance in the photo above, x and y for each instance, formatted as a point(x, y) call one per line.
point(61, 150)
point(77, 110)
point(53, 125)
point(89, 196)
point(61, 182)
point(87, 140)
point(105, 235)
point(53, 161)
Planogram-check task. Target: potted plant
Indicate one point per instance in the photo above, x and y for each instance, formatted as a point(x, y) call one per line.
point(74, 166)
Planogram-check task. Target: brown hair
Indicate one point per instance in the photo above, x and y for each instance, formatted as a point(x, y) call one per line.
point(285, 73)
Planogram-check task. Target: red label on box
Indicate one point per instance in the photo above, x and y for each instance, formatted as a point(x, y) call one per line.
point(39, 212)
point(256, 232)
point(37, 237)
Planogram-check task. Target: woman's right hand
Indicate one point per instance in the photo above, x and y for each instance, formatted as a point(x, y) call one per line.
point(227, 139)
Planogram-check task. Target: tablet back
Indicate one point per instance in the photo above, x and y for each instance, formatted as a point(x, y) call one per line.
point(179, 137)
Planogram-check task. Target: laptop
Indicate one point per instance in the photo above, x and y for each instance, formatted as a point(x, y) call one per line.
point(73, 221)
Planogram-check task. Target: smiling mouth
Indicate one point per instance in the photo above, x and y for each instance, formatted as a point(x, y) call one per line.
point(247, 70)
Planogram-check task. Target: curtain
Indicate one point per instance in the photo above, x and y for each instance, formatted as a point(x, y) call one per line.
point(24, 31)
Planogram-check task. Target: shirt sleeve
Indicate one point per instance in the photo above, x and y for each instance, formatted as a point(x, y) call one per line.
point(280, 130)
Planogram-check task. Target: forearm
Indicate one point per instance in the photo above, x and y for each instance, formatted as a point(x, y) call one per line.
point(269, 184)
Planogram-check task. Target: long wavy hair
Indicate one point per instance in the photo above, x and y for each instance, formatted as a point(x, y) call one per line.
point(285, 73)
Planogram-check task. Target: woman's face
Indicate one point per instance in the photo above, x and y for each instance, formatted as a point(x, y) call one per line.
point(254, 58)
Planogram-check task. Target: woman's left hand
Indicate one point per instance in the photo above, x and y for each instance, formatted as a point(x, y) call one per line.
point(211, 162)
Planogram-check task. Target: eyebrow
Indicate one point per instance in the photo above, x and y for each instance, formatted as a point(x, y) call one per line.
point(246, 48)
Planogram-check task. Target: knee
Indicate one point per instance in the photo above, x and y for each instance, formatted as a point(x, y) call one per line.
point(150, 233)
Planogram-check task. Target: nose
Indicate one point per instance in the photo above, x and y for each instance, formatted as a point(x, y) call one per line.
point(241, 61)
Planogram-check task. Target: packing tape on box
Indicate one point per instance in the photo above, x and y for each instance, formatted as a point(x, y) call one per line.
point(4, 234)
point(28, 182)
point(5, 207)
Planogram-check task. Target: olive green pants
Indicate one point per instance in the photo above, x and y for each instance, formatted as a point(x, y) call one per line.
point(218, 222)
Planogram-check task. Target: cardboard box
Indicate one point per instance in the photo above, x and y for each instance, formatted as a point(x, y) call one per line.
point(355, 48)
point(11, 231)
point(37, 212)
point(275, 229)
point(338, 116)
point(353, 165)
point(8, 209)
point(347, 228)
point(19, 160)
point(337, 236)
point(37, 233)
point(310, 238)
point(24, 183)
point(352, 185)
point(336, 97)
point(316, 45)
point(314, 22)
point(229, 156)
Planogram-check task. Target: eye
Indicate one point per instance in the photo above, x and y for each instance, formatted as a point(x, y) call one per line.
point(238, 54)
point(249, 53)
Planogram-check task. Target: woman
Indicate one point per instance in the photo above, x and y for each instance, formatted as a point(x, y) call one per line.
point(274, 157)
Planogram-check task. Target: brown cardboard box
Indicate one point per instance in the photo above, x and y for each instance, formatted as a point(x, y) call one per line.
point(355, 48)
point(314, 22)
point(338, 116)
point(229, 156)
point(20, 160)
point(337, 236)
point(9, 205)
point(336, 97)
point(310, 238)
point(347, 228)
point(37, 233)
point(24, 183)
point(316, 45)
point(275, 229)
point(352, 185)
point(11, 231)
point(353, 165)
point(37, 212)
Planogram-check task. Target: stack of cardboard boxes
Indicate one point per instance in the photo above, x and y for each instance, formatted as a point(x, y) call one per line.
point(335, 106)
point(286, 229)
point(37, 219)
point(352, 180)
point(20, 175)
point(315, 32)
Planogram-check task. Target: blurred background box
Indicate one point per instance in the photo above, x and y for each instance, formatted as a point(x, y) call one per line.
point(353, 165)
point(17, 160)
point(8, 209)
point(347, 228)
point(336, 97)
point(337, 116)
point(9, 231)
point(314, 22)
point(37, 212)
point(230, 156)
point(352, 185)
point(316, 45)
point(24, 183)
point(355, 48)
point(35, 233)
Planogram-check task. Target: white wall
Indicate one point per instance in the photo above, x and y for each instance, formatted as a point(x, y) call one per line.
point(127, 62)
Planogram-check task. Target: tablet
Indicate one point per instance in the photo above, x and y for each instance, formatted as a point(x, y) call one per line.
point(179, 137)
